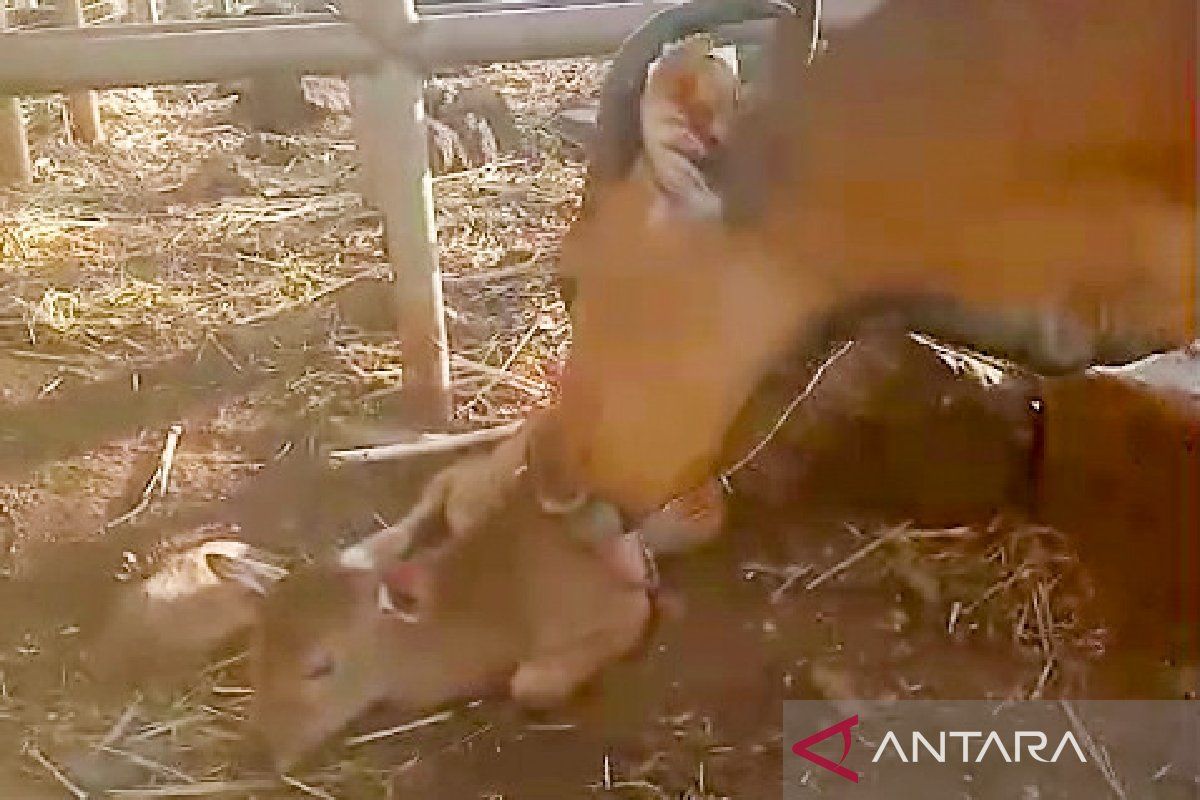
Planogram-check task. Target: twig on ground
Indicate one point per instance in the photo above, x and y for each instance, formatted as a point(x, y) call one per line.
point(796, 573)
point(159, 480)
point(476, 172)
point(499, 273)
point(171, 726)
point(199, 789)
point(315, 297)
point(304, 787)
point(1098, 753)
point(33, 752)
point(895, 534)
point(530, 332)
point(147, 763)
point(1045, 627)
point(424, 722)
point(788, 574)
point(224, 663)
point(997, 587)
point(644, 786)
point(121, 725)
point(428, 444)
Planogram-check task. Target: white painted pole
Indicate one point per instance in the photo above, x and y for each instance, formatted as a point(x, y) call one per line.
point(15, 166)
point(364, 129)
point(397, 166)
point(82, 106)
point(179, 9)
point(144, 11)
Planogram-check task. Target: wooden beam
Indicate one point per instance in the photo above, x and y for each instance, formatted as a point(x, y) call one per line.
point(396, 167)
point(143, 11)
point(15, 166)
point(82, 107)
point(363, 131)
point(179, 9)
point(206, 50)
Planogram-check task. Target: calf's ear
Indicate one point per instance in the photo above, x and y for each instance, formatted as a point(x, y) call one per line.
point(405, 589)
point(256, 577)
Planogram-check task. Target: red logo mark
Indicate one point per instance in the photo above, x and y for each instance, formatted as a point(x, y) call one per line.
point(800, 748)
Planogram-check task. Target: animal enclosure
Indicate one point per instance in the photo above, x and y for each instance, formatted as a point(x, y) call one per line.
point(211, 326)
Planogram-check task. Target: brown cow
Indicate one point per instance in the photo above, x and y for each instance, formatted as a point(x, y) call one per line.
point(1018, 175)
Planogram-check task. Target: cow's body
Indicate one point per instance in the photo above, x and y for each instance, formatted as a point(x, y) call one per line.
point(1016, 174)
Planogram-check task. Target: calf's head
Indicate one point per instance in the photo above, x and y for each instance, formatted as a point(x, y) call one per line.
point(334, 642)
point(525, 598)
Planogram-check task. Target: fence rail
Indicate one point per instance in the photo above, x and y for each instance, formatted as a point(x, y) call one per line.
point(389, 116)
point(104, 56)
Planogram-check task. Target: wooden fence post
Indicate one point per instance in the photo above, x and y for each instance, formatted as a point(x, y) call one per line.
point(364, 129)
point(397, 162)
point(143, 10)
point(14, 147)
point(179, 9)
point(81, 105)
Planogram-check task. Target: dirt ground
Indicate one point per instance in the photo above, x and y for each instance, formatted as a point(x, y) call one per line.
point(251, 310)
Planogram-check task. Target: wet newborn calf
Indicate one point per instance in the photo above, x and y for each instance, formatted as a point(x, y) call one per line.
point(518, 603)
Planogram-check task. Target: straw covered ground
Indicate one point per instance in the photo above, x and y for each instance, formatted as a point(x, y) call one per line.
point(216, 301)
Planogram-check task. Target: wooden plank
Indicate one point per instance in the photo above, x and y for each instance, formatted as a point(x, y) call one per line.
point(363, 131)
point(396, 163)
point(143, 11)
point(143, 55)
point(15, 166)
point(179, 9)
point(81, 105)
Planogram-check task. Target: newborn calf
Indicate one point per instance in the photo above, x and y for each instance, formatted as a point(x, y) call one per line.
point(518, 603)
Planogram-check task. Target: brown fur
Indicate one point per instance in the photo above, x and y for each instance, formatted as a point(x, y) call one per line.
point(462, 498)
point(518, 603)
point(459, 499)
point(1032, 162)
point(1132, 493)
